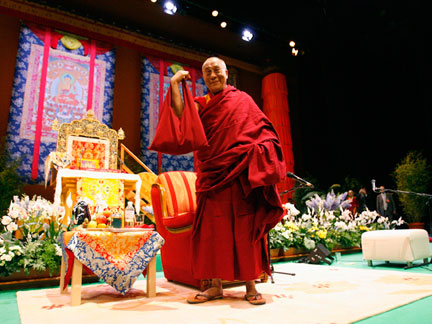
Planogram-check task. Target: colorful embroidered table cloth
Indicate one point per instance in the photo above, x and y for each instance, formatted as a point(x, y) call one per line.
point(116, 258)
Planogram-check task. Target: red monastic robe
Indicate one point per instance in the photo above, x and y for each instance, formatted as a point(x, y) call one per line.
point(237, 198)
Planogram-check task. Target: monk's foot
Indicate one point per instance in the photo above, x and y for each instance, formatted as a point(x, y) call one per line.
point(255, 299)
point(212, 293)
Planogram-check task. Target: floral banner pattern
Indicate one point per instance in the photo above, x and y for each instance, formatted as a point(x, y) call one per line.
point(65, 98)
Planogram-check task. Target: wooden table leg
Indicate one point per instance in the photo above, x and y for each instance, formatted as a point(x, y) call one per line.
point(63, 290)
point(151, 278)
point(76, 283)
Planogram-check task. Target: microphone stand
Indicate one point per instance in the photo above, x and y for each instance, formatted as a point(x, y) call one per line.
point(302, 185)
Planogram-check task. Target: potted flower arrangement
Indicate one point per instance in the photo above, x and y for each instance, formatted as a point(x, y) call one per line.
point(327, 221)
point(413, 174)
point(28, 237)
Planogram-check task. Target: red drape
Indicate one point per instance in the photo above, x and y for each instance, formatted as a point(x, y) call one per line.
point(275, 106)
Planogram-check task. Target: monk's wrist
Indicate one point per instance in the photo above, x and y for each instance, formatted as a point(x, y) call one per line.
point(174, 83)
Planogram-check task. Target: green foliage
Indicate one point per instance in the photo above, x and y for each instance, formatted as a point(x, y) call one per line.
point(413, 174)
point(351, 183)
point(10, 181)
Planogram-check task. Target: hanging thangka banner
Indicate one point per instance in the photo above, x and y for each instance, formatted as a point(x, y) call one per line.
point(156, 75)
point(53, 75)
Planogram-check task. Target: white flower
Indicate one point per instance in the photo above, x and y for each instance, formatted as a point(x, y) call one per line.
point(398, 222)
point(16, 248)
point(351, 226)
point(306, 217)
point(287, 235)
point(6, 257)
point(59, 251)
point(341, 225)
point(12, 227)
point(309, 244)
point(279, 227)
point(14, 213)
point(346, 215)
point(382, 219)
point(6, 220)
point(292, 210)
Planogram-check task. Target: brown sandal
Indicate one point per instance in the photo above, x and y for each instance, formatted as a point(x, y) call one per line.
point(255, 299)
point(206, 298)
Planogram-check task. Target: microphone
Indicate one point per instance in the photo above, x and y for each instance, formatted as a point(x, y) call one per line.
point(297, 178)
point(374, 188)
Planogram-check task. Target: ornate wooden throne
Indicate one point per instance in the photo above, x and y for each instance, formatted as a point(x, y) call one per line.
point(85, 167)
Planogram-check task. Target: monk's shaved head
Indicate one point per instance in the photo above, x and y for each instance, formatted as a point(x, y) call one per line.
point(216, 60)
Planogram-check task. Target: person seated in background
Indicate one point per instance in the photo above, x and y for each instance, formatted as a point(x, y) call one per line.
point(354, 204)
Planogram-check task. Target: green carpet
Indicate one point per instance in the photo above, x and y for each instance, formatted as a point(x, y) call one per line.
point(418, 312)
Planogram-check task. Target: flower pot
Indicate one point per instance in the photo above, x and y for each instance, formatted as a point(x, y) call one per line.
point(33, 274)
point(294, 251)
point(416, 225)
point(274, 252)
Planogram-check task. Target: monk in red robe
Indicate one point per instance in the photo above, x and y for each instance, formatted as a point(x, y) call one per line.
point(237, 199)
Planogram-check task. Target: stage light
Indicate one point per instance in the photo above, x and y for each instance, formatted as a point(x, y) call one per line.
point(215, 13)
point(170, 8)
point(223, 24)
point(294, 51)
point(292, 44)
point(247, 35)
point(154, 1)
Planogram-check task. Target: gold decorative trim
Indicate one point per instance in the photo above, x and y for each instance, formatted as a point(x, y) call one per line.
point(89, 126)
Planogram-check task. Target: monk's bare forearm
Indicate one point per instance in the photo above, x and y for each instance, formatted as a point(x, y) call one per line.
point(176, 99)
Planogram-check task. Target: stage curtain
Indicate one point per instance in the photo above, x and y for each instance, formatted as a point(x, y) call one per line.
point(276, 108)
point(45, 61)
point(156, 72)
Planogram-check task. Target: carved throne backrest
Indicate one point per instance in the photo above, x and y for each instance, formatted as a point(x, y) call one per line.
point(90, 143)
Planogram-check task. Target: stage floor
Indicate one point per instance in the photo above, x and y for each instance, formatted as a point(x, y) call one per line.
point(417, 312)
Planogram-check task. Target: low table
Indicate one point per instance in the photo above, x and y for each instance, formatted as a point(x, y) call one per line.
point(116, 256)
point(405, 245)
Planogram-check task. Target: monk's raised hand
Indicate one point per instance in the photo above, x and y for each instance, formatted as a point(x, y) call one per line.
point(179, 77)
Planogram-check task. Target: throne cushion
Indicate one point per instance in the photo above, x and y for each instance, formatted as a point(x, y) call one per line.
point(88, 152)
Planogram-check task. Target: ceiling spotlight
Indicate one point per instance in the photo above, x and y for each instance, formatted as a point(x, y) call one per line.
point(170, 8)
point(292, 44)
point(294, 51)
point(247, 35)
point(215, 13)
point(223, 24)
point(154, 1)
